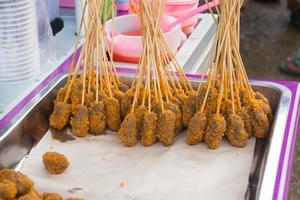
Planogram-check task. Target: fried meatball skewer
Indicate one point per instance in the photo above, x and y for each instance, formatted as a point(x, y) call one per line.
point(97, 114)
point(61, 113)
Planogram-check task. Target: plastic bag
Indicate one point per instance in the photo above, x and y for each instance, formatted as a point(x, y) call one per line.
point(44, 27)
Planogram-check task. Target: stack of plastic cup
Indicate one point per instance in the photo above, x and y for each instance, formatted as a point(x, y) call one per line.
point(19, 48)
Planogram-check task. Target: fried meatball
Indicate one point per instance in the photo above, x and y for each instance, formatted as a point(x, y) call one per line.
point(196, 129)
point(156, 107)
point(60, 96)
point(166, 127)
point(235, 132)
point(123, 87)
point(260, 96)
point(51, 196)
point(60, 116)
point(215, 131)
point(8, 190)
point(211, 102)
point(113, 117)
point(89, 99)
point(22, 182)
point(31, 195)
point(259, 120)
point(80, 121)
point(97, 118)
point(244, 97)
point(243, 113)
point(149, 126)
point(188, 108)
point(267, 109)
point(127, 102)
point(176, 101)
point(119, 95)
point(175, 109)
point(76, 94)
point(200, 97)
point(226, 108)
point(102, 96)
point(55, 163)
point(128, 131)
point(139, 114)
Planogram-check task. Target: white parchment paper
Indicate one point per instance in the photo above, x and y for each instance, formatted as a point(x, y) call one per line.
point(101, 168)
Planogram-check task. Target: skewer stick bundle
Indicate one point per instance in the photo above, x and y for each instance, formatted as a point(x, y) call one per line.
point(89, 100)
point(230, 105)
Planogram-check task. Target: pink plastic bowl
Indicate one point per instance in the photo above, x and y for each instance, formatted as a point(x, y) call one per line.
point(128, 48)
point(179, 8)
point(67, 3)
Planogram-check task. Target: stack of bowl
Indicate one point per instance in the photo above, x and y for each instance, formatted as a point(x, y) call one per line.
point(19, 49)
point(180, 8)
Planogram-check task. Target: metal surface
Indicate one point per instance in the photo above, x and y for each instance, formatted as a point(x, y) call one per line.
point(17, 140)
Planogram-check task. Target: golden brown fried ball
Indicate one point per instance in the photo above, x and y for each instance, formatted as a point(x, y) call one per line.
point(196, 129)
point(243, 113)
point(31, 195)
point(22, 182)
point(113, 117)
point(102, 96)
point(226, 108)
point(166, 127)
point(8, 190)
point(127, 102)
point(211, 102)
point(260, 96)
point(215, 131)
point(244, 97)
point(188, 108)
point(267, 109)
point(123, 87)
point(175, 109)
point(76, 94)
point(80, 121)
point(89, 99)
point(119, 95)
point(128, 131)
point(55, 163)
point(60, 116)
point(259, 120)
point(236, 133)
point(60, 96)
point(156, 107)
point(139, 114)
point(51, 196)
point(97, 118)
point(201, 96)
point(149, 127)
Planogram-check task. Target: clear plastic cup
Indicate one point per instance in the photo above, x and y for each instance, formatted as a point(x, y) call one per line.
point(18, 24)
point(17, 75)
point(18, 28)
point(12, 6)
point(14, 39)
point(16, 20)
point(9, 78)
point(24, 64)
point(19, 44)
point(12, 53)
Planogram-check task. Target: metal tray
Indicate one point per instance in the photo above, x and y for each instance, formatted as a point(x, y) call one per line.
point(17, 139)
